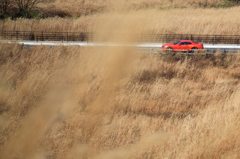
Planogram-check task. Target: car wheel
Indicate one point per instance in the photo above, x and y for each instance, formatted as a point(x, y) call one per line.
point(169, 50)
point(194, 49)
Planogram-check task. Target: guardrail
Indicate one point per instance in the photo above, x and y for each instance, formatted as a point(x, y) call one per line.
point(45, 36)
point(202, 53)
point(89, 37)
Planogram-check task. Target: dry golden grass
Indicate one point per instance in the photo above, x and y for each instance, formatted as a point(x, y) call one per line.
point(175, 21)
point(72, 102)
point(87, 7)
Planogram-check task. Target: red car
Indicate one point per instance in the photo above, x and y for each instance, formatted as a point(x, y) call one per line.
point(182, 46)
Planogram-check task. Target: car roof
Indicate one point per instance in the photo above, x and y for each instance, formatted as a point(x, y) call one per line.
point(186, 41)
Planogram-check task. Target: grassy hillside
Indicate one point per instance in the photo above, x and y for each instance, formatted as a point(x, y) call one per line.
point(175, 21)
point(116, 102)
point(176, 17)
point(71, 102)
point(86, 7)
point(73, 8)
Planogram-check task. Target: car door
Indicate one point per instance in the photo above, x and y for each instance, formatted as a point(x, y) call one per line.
point(189, 45)
point(183, 46)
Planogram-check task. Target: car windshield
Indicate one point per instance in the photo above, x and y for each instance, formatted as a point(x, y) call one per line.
point(176, 42)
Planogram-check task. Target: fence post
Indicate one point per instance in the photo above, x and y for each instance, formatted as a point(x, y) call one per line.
point(214, 39)
point(17, 34)
point(67, 36)
point(37, 37)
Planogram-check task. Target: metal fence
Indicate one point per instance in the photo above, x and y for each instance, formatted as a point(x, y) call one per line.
point(88, 37)
point(45, 36)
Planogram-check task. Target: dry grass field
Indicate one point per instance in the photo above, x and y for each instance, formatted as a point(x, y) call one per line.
point(166, 17)
point(86, 7)
point(172, 21)
point(71, 102)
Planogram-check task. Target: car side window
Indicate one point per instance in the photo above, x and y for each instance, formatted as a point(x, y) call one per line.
point(188, 43)
point(183, 43)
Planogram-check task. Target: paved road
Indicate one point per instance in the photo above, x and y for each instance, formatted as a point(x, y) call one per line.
point(145, 46)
